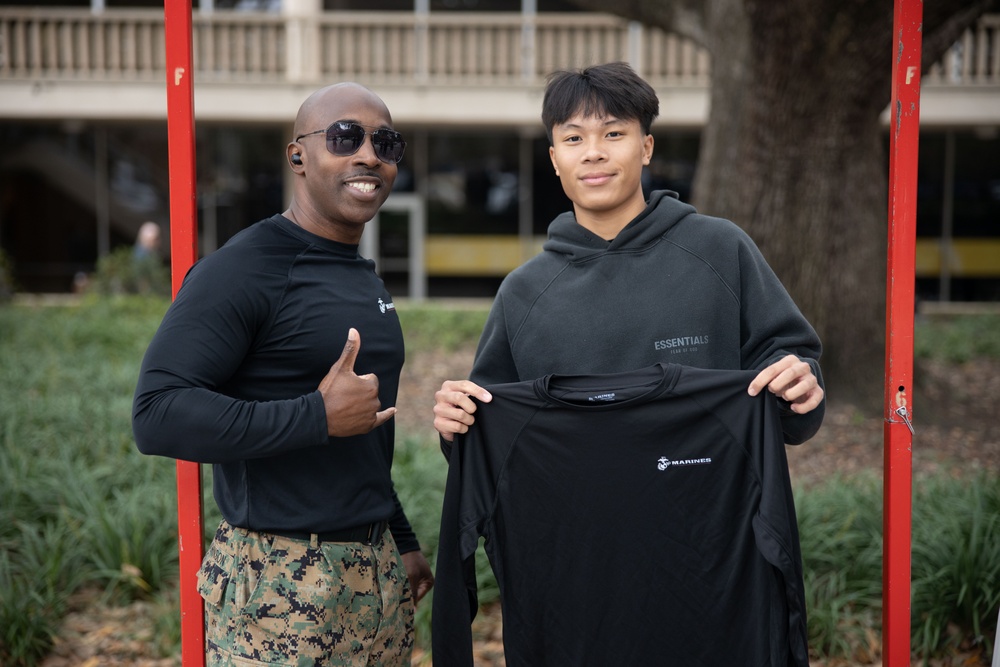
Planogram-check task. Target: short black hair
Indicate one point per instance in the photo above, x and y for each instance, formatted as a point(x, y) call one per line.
point(611, 89)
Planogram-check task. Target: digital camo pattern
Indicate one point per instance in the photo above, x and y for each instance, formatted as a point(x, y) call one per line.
point(278, 601)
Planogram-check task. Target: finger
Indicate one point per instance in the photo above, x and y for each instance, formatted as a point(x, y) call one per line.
point(466, 387)
point(796, 388)
point(810, 403)
point(451, 405)
point(423, 588)
point(449, 428)
point(350, 353)
point(785, 383)
point(767, 376)
point(382, 416)
point(458, 413)
point(762, 380)
point(370, 380)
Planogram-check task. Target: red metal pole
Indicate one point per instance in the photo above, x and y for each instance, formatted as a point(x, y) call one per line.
point(898, 431)
point(183, 252)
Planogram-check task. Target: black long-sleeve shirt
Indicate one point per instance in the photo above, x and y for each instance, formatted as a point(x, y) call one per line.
point(640, 518)
point(231, 378)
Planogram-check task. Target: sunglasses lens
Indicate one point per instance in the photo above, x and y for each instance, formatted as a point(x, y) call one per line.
point(389, 145)
point(343, 139)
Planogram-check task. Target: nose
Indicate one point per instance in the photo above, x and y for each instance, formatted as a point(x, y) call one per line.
point(594, 151)
point(366, 154)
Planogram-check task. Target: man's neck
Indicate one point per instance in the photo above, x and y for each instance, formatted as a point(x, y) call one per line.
point(608, 224)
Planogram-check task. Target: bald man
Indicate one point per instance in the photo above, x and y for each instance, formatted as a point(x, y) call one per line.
point(278, 363)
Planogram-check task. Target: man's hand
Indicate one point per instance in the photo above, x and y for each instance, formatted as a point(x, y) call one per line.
point(453, 408)
point(352, 403)
point(418, 571)
point(792, 379)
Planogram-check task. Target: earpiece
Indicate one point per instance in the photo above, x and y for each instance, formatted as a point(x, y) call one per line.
point(296, 159)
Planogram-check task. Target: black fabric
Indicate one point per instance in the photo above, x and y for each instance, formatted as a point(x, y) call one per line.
point(231, 378)
point(641, 518)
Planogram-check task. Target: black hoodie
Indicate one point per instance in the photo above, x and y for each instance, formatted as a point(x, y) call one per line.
point(674, 286)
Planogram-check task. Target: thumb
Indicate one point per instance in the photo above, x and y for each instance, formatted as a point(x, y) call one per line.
point(350, 352)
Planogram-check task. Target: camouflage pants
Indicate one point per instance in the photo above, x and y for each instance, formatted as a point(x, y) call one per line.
point(272, 600)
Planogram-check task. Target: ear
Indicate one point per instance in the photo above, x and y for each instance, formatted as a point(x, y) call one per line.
point(647, 149)
point(552, 157)
point(293, 153)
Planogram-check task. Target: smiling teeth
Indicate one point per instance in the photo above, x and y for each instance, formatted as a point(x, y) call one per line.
point(363, 187)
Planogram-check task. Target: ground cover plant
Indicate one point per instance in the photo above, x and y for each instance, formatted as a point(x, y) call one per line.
point(81, 509)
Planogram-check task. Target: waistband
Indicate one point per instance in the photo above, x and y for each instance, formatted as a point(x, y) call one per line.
point(366, 534)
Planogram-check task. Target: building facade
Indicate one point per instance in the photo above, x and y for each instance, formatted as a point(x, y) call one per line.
point(83, 159)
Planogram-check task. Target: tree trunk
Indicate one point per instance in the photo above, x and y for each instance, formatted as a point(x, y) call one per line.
point(793, 153)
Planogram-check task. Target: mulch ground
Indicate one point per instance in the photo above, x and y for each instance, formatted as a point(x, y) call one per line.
point(956, 433)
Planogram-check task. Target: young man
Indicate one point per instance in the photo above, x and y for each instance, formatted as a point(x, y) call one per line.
point(629, 481)
point(623, 283)
point(244, 374)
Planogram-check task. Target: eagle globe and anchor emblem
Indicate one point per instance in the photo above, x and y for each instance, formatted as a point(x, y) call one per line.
point(384, 306)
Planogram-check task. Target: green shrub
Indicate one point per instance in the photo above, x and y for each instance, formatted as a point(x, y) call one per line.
point(126, 524)
point(445, 328)
point(65, 403)
point(119, 272)
point(38, 573)
point(958, 339)
point(956, 563)
point(28, 622)
point(840, 526)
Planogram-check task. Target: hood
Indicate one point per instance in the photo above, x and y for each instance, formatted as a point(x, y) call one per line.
point(663, 211)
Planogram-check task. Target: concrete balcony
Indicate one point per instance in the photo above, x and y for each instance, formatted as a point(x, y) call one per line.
point(471, 68)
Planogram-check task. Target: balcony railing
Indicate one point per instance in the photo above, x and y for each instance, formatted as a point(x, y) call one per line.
point(465, 49)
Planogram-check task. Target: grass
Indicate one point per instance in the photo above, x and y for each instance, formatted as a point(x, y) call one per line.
point(958, 339)
point(79, 506)
point(441, 327)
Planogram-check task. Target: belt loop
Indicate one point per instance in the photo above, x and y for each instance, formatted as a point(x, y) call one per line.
point(314, 540)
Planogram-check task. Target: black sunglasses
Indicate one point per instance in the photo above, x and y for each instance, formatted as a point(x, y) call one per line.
point(343, 139)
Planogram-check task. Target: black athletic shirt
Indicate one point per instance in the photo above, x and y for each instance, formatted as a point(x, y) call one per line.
point(231, 378)
point(641, 518)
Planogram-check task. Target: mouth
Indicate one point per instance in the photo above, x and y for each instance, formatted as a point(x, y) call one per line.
point(596, 178)
point(364, 187)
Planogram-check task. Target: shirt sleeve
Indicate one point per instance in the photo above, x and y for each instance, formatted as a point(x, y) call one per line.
point(456, 598)
point(402, 531)
point(773, 327)
point(179, 410)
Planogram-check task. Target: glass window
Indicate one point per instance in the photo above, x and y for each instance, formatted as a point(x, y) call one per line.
point(240, 172)
point(976, 190)
point(975, 207)
point(476, 5)
point(472, 183)
point(557, 6)
point(675, 155)
point(369, 5)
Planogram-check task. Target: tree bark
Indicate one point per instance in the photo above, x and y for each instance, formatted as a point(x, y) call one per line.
point(807, 179)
